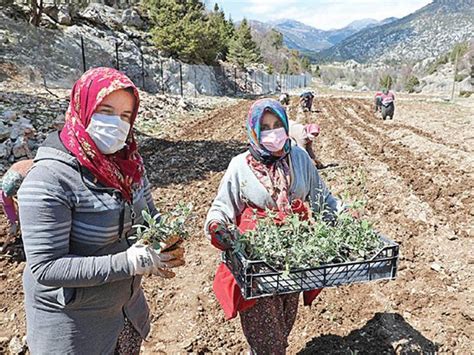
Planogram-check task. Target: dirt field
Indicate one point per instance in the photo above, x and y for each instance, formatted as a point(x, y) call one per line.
point(416, 173)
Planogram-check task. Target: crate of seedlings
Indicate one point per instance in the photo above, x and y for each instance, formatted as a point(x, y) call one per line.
point(301, 255)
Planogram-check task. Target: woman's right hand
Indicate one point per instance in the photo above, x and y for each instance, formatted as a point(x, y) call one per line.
point(144, 260)
point(221, 237)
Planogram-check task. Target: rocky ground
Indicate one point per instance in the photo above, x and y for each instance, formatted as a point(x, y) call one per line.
point(416, 173)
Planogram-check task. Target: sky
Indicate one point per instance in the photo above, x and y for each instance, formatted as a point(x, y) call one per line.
point(322, 14)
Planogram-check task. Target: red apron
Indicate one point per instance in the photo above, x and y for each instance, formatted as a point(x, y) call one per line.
point(226, 288)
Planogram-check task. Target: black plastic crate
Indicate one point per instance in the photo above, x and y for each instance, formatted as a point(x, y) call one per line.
point(258, 279)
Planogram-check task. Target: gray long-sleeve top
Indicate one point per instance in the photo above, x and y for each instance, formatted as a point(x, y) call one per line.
point(77, 282)
point(240, 187)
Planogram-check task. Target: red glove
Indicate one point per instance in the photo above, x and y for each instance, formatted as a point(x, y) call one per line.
point(221, 237)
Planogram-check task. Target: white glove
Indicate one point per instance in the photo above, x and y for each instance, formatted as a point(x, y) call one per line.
point(144, 260)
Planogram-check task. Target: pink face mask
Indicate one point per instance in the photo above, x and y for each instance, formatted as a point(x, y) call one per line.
point(274, 140)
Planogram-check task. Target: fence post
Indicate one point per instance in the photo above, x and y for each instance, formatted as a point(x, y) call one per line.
point(235, 81)
point(181, 79)
point(143, 68)
point(117, 64)
point(83, 55)
point(162, 77)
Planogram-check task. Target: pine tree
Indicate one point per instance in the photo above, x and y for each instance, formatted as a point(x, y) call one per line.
point(294, 64)
point(306, 64)
point(276, 39)
point(220, 32)
point(242, 49)
point(183, 30)
point(180, 29)
point(386, 82)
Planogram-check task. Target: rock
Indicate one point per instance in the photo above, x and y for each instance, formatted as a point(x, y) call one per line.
point(436, 267)
point(466, 85)
point(64, 16)
point(20, 148)
point(52, 12)
point(22, 127)
point(5, 149)
point(5, 131)
point(15, 346)
point(131, 17)
point(101, 15)
point(48, 22)
point(58, 122)
point(4, 341)
point(9, 116)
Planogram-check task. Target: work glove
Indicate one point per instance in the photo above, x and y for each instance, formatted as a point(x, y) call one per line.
point(144, 260)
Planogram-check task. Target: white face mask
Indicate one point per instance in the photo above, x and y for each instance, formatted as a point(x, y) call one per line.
point(109, 133)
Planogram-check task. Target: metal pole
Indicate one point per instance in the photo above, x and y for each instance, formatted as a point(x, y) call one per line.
point(235, 80)
point(117, 64)
point(162, 78)
point(143, 70)
point(181, 79)
point(83, 55)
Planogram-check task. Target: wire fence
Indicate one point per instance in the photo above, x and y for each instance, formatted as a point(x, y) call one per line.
point(169, 76)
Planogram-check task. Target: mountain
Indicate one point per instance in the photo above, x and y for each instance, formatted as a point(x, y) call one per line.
point(297, 35)
point(425, 33)
point(358, 25)
point(338, 35)
point(308, 39)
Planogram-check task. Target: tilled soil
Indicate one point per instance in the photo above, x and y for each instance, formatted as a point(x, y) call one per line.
point(416, 174)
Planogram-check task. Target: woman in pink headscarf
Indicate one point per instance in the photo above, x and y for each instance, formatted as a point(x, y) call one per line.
point(78, 203)
point(272, 174)
point(303, 136)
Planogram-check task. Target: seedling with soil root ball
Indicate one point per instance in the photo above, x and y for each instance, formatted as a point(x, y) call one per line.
point(165, 231)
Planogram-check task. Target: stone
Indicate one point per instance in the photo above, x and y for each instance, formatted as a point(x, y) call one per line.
point(52, 12)
point(467, 85)
point(131, 17)
point(20, 148)
point(101, 15)
point(4, 341)
point(64, 16)
point(5, 149)
point(5, 131)
point(22, 127)
point(436, 267)
point(58, 122)
point(15, 346)
point(9, 116)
